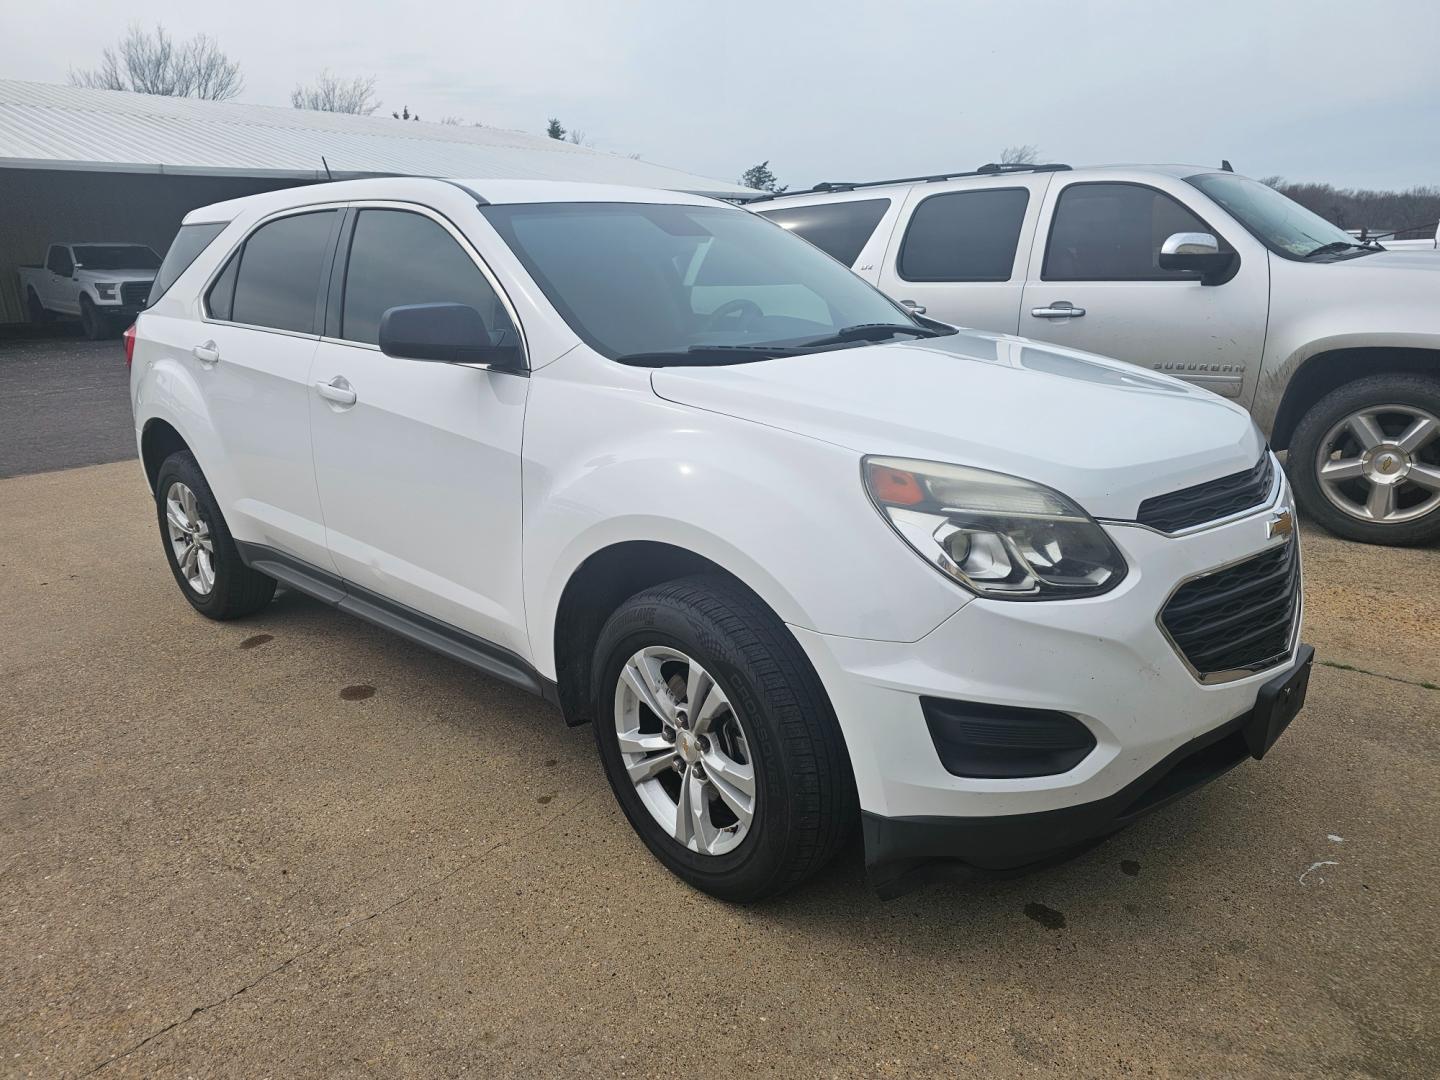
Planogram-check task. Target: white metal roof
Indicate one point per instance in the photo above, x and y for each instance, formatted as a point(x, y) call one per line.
point(66, 127)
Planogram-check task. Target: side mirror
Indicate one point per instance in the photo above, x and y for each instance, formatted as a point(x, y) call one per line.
point(1199, 253)
point(446, 334)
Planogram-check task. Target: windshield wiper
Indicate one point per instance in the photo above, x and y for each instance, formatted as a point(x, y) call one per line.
point(700, 355)
point(1337, 246)
point(874, 331)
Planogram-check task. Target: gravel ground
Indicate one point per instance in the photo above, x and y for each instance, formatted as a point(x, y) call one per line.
point(297, 846)
point(63, 402)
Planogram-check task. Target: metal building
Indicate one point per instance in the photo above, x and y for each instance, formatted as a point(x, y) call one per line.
point(105, 165)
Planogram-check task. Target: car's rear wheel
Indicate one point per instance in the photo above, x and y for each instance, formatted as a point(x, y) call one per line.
point(719, 741)
point(1366, 460)
point(95, 325)
point(198, 546)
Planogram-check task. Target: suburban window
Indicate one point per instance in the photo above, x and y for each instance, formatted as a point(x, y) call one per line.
point(838, 229)
point(278, 281)
point(402, 258)
point(964, 236)
point(59, 261)
point(189, 242)
point(1113, 232)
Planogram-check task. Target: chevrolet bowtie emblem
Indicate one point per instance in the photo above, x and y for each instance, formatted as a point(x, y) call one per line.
point(1281, 523)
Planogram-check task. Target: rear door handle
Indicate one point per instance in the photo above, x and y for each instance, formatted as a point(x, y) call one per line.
point(1061, 309)
point(337, 390)
point(207, 353)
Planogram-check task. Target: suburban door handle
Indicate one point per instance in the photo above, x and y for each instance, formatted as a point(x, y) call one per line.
point(1061, 309)
point(207, 353)
point(337, 390)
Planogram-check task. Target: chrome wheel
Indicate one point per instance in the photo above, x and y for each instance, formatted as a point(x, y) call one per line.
point(190, 539)
point(1382, 464)
point(685, 750)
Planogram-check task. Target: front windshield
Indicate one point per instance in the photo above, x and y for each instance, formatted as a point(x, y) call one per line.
point(645, 279)
point(1278, 222)
point(117, 257)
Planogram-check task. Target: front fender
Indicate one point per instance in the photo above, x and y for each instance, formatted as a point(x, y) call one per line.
point(784, 513)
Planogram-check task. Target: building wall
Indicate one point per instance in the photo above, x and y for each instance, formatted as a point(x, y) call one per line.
point(39, 207)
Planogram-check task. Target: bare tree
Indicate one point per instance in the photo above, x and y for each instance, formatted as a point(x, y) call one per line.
point(154, 63)
point(330, 93)
point(578, 137)
point(1025, 154)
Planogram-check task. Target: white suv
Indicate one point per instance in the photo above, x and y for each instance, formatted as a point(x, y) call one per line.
point(804, 560)
point(1332, 344)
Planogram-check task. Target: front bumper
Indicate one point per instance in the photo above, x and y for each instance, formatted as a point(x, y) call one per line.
point(903, 852)
point(1104, 661)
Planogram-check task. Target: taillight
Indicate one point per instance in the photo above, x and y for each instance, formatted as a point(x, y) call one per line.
point(129, 346)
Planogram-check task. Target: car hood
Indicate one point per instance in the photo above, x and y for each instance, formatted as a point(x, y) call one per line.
point(1105, 433)
point(105, 275)
point(1391, 260)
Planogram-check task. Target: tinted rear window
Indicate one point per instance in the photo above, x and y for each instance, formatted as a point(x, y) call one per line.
point(838, 229)
point(189, 242)
point(964, 236)
point(278, 284)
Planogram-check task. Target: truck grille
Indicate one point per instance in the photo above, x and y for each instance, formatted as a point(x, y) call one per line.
point(134, 293)
point(1241, 618)
point(1209, 501)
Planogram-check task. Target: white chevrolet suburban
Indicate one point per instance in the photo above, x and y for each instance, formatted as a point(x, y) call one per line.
point(1332, 345)
point(802, 559)
point(105, 285)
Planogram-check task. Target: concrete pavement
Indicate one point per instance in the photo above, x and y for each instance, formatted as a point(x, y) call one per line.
point(222, 855)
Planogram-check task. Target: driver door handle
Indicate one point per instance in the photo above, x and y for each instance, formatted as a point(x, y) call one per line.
point(337, 390)
point(1060, 309)
point(207, 353)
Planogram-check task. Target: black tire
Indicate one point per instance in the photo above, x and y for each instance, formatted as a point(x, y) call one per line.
point(1413, 390)
point(35, 308)
point(94, 324)
point(805, 805)
point(237, 590)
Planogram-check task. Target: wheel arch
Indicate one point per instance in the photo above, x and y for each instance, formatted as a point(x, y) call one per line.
point(1331, 369)
point(158, 440)
point(596, 587)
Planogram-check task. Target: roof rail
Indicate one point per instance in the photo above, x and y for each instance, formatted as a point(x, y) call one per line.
point(991, 169)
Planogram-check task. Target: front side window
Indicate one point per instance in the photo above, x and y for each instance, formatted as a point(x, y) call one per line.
point(117, 257)
point(399, 258)
point(1278, 222)
point(59, 262)
point(839, 229)
point(1113, 232)
point(277, 283)
point(189, 242)
point(635, 279)
point(964, 236)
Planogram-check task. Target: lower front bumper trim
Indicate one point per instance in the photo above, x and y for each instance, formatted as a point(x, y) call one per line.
point(902, 853)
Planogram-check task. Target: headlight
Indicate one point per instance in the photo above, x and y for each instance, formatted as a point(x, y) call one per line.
point(998, 535)
point(105, 291)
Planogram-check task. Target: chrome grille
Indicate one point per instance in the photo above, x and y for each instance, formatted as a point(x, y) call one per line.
point(1241, 618)
point(1210, 501)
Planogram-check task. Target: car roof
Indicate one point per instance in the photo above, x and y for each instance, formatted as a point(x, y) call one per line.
point(423, 188)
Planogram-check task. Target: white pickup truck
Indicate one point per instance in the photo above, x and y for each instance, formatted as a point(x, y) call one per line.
point(1332, 345)
point(105, 285)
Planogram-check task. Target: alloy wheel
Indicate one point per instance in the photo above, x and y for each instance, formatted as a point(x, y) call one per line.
point(190, 538)
point(686, 751)
point(1382, 464)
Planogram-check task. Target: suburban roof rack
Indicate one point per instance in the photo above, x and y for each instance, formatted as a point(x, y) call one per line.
point(992, 169)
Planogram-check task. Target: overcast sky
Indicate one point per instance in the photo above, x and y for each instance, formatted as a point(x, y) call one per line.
point(850, 89)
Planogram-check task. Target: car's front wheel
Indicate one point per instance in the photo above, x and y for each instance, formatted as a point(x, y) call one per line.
point(93, 322)
point(719, 741)
point(198, 546)
point(1365, 460)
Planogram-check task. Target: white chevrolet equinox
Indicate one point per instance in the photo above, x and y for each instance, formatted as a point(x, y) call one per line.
point(803, 559)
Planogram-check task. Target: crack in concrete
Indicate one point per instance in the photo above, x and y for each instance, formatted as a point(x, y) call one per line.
point(404, 898)
point(1378, 675)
